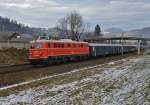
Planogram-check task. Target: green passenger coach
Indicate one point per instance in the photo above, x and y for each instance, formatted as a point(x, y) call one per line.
point(97, 49)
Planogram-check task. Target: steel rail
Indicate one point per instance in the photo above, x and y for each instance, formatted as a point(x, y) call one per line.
point(14, 68)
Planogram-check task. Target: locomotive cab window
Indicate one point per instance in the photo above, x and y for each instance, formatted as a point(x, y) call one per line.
point(39, 45)
point(32, 46)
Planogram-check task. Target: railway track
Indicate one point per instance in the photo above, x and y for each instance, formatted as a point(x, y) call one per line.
point(7, 69)
point(15, 68)
point(14, 74)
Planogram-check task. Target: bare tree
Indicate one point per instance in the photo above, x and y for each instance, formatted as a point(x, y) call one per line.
point(62, 26)
point(63, 23)
point(84, 31)
point(73, 24)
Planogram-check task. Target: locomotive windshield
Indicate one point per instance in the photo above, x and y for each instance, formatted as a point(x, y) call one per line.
point(37, 45)
point(32, 46)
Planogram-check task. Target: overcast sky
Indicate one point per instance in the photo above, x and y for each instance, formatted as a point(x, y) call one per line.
point(126, 14)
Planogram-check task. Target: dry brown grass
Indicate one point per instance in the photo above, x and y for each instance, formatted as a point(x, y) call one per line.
point(10, 56)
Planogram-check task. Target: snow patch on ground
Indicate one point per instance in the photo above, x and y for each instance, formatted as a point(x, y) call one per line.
point(111, 63)
point(123, 84)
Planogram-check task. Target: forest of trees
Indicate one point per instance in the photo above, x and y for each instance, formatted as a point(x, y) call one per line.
point(10, 25)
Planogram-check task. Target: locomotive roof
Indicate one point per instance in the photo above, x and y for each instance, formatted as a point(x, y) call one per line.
point(61, 41)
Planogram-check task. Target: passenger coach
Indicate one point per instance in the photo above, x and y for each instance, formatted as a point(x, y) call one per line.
point(97, 49)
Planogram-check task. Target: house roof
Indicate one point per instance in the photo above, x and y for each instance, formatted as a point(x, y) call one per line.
point(23, 37)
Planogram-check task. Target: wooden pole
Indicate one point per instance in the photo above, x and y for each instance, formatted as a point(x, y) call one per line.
point(139, 47)
point(8, 43)
point(122, 44)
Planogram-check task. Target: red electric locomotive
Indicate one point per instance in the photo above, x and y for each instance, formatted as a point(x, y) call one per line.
point(48, 51)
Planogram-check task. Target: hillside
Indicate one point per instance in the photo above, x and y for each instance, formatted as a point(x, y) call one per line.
point(10, 25)
point(114, 30)
point(144, 32)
